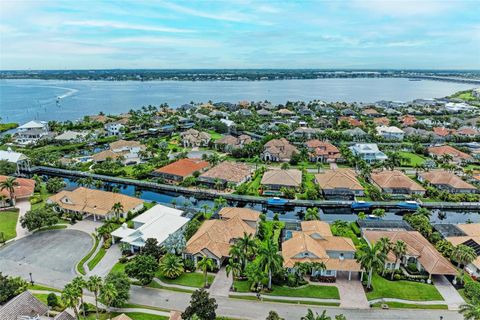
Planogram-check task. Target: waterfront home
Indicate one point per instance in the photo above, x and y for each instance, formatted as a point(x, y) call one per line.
point(193, 138)
point(18, 159)
point(23, 190)
point(368, 152)
point(215, 238)
point(128, 151)
point(315, 243)
point(72, 136)
point(229, 143)
point(306, 133)
point(277, 178)
point(339, 183)
point(382, 121)
point(457, 155)
point(390, 133)
point(180, 169)
point(159, 222)
point(322, 151)
point(419, 252)
point(446, 181)
point(408, 120)
point(278, 150)
point(469, 235)
point(96, 203)
point(396, 182)
point(31, 132)
point(264, 113)
point(227, 173)
point(250, 216)
point(115, 128)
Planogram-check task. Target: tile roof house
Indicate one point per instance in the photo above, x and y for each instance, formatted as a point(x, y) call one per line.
point(470, 236)
point(248, 215)
point(23, 190)
point(408, 120)
point(127, 151)
point(95, 202)
point(180, 169)
point(419, 251)
point(194, 138)
point(382, 121)
point(443, 132)
point(19, 159)
point(308, 133)
point(285, 112)
point(396, 182)
point(468, 132)
point(390, 133)
point(315, 243)
point(215, 237)
point(227, 173)
point(457, 155)
point(339, 183)
point(371, 112)
point(72, 136)
point(368, 152)
point(228, 143)
point(446, 181)
point(351, 121)
point(278, 150)
point(277, 178)
point(322, 151)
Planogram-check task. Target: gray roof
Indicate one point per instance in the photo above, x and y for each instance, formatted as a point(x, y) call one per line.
point(64, 315)
point(25, 304)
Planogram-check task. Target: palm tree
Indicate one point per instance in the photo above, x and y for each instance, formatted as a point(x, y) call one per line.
point(205, 264)
point(361, 216)
point(80, 284)
point(219, 203)
point(256, 160)
point(233, 267)
point(171, 266)
point(94, 285)
point(246, 244)
point(269, 259)
point(319, 166)
point(371, 258)
point(470, 311)
point(71, 298)
point(380, 213)
point(315, 316)
point(9, 184)
point(385, 244)
point(424, 212)
point(464, 255)
point(312, 214)
point(117, 208)
point(108, 293)
point(399, 250)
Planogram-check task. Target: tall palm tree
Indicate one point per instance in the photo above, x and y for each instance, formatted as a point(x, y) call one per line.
point(9, 184)
point(269, 259)
point(108, 293)
point(71, 298)
point(371, 258)
point(464, 255)
point(312, 214)
point(205, 264)
point(315, 316)
point(219, 203)
point(94, 285)
point(80, 284)
point(399, 250)
point(380, 213)
point(117, 208)
point(470, 311)
point(233, 267)
point(171, 266)
point(247, 246)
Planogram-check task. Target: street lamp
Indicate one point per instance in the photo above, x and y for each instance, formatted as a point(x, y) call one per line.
point(31, 279)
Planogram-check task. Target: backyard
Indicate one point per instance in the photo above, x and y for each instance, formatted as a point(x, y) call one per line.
point(8, 223)
point(406, 290)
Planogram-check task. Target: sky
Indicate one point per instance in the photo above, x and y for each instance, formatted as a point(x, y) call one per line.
point(157, 34)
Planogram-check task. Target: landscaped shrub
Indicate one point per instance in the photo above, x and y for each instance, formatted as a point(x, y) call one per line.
point(52, 300)
point(412, 268)
point(189, 265)
point(107, 243)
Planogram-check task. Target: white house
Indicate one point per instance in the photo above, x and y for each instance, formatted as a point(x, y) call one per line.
point(72, 136)
point(19, 159)
point(31, 132)
point(114, 128)
point(390, 133)
point(159, 223)
point(368, 152)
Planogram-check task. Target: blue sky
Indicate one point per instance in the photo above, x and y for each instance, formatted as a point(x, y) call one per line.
point(239, 34)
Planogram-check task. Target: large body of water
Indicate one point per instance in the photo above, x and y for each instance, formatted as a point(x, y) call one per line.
point(24, 100)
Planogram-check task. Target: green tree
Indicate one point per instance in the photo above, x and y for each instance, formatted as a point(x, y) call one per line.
point(171, 266)
point(312, 214)
point(372, 259)
point(121, 283)
point(108, 294)
point(399, 250)
point(380, 213)
point(9, 184)
point(269, 260)
point(38, 218)
point(54, 185)
point(52, 300)
point(470, 311)
point(80, 284)
point(272, 315)
point(142, 268)
point(152, 248)
point(94, 285)
point(246, 245)
point(201, 305)
point(7, 168)
point(315, 316)
point(205, 264)
point(71, 298)
point(219, 203)
point(117, 208)
point(11, 287)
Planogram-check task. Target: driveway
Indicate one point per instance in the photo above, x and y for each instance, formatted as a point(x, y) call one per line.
point(23, 206)
point(453, 299)
point(50, 256)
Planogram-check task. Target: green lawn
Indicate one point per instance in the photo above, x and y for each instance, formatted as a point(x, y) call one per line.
point(214, 135)
point(43, 195)
point(313, 303)
point(8, 224)
point(100, 254)
point(415, 159)
point(188, 279)
point(157, 285)
point(308, 291)
point(132, 315)
point(42, 287)
point(80, 267)
point(406, 290)
point(399, 305)
point(118, 267)
point(254, 185)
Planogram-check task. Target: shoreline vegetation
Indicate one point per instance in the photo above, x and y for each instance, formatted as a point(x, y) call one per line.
point(8, 126)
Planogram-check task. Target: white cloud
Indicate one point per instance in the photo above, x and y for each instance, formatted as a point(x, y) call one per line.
point(126, 26)
point(184, 42)
point(405, 8)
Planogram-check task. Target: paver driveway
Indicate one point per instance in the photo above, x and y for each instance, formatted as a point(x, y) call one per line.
point(50, 256)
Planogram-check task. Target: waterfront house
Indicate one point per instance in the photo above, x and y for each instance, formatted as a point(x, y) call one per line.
point(96, 203)
point(227, 173)
point(229, 143)
point(390, 133)
point(23, 190)
point(31, 132)
point(114, 128)
point(469, 235)
point(129, 152)
point(419, 252)
point(339, 183)
point(72, 136)
point(159, 222)
point(180, 169)
point(322, 151)
point(18, 159)
point(368, 152)
point(315, 243)
point(250, 216)
point(193, 138)
point(277, 178)
point(278, 150)
point(396, 182)
point(446, 181)
point(215, 238)
point(457, 155)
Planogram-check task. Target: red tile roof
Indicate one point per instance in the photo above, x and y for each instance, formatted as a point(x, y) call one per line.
point(183, 167)
point(24, 189)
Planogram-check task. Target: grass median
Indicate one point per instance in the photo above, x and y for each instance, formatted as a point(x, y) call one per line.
point(80, 264)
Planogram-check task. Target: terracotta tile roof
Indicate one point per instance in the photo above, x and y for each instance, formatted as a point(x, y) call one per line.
point(323, 148)
point(120, 144)
point(395, 180)
point(217, 236)
point(288, 178)
point(444, 177)
point(408, 120)
point(316, 226)
point(245, 214)
point(280, 147)
point(104, 155)
point(467, 132)
point(24, 189)
point(472, 231)
point(351, 121)
point(341, 178)
point(417, 245)
point(370, 111)
point(443, 132)
point(184, 167)
point(93, 201)
point(382, 121)
point(235, 172)
point(122, 316)
point(446, 149)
